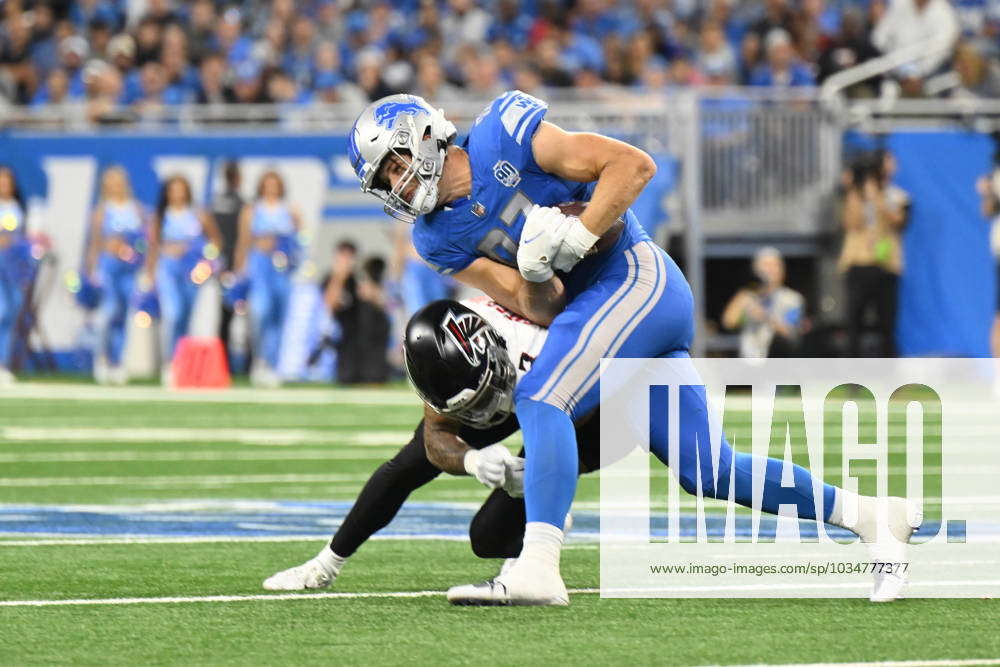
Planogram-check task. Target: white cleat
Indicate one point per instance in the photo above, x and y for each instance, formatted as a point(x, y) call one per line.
point(318, 572)
point(519, 585)
point(7, 379)
point(889, 551)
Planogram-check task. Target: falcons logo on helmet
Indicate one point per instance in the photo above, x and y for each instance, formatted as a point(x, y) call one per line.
point(468, 331)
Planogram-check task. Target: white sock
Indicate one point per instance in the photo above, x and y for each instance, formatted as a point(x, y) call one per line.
point(330, 560)
point(846, 509)
point(858, 514)
point(542, 545)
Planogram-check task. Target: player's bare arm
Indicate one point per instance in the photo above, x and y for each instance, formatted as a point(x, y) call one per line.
point(621, 170)
point(445, 449)
point(539, 302)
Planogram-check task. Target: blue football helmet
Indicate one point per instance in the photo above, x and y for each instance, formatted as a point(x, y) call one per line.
point(410, 128)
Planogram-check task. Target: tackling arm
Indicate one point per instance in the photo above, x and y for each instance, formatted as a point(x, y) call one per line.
point(538, 302)
point(445, 449)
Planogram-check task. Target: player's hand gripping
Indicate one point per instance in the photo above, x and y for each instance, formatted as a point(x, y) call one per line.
point(514, 484)
point(488, 465)
point(543, 233)
point(577, 242)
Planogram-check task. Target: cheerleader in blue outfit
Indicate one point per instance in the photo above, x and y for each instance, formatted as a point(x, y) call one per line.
point(267, 253)
point(182, 242)
point(114, 256)
point(11, 288)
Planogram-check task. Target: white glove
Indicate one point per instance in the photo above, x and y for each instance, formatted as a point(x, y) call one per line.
point(514, 484)
point(576, 243)
point(543, 232)
point(488, 465)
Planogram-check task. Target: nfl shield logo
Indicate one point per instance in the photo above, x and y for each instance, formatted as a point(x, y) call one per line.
point(506, 173)
point(478, 210)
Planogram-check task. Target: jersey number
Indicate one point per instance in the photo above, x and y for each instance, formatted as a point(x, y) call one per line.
point(498, 238)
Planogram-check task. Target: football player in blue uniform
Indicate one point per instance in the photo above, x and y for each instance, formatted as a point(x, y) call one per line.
point(484, 212)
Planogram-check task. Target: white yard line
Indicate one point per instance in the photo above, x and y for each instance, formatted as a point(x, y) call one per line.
point(210, 540)
point(82, 392)
point(192, 480)
point(243, 436)
point(882, 663)
point(369, 454)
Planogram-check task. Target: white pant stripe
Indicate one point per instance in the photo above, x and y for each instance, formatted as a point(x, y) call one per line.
point(605, 332)
point(647, 308)
point(587, 328)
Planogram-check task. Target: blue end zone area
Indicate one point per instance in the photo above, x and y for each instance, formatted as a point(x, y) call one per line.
point(266, 519)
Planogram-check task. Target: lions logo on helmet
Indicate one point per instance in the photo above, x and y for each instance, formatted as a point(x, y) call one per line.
point(386, 114)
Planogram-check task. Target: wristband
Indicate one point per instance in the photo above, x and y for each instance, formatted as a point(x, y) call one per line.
point(471, 461)
point(579, 239)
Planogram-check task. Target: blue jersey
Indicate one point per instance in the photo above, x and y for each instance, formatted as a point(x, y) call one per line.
point(182, 225)
point(272, 220)
point(11, 218)
point(506, 181)
point(122, 220)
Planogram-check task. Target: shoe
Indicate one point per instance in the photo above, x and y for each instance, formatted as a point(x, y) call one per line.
point(263, 376)
point(7, 378)
point(318, 572)
point(523, 584)
point(167, 375)
point(117, 376)
point(100, 370)
point(889, 548)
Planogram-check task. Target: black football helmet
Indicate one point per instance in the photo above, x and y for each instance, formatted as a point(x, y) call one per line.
point(458, 364)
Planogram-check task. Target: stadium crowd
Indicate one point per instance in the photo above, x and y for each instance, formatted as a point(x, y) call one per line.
point(135, 56)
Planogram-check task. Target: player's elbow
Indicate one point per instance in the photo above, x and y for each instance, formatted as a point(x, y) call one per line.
point(645, 166)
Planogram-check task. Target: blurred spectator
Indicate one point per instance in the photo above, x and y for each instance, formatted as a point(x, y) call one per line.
point(212, 88)
point(874, 213)
point(226, 208)
point(714, 54)
point(777, 16)
point(266, 254)
point(977, 75)
point(988, 188)
point(118, 228)
point(340, 294)
point(431, 83)
point(419, 283)
point(463, 23)
point(12, 228)
point(768, 314)
point(850, 47)
point(909, 22)
point(369, 65)
point(782, 69)
point(334, 52)
point(201, 29)
point(359, 308)
point(176, 258)
point(374, 324)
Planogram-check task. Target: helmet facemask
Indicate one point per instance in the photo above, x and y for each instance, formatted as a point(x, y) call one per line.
point(424, 160)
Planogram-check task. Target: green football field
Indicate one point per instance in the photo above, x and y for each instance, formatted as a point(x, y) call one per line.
point(136, 526)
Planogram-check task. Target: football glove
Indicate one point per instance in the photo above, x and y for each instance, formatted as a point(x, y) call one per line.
point(488, 465)
point(514, 482)
point(576, 243)
point(543, 232)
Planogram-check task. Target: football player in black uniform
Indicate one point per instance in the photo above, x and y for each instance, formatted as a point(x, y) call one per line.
point(462, 367)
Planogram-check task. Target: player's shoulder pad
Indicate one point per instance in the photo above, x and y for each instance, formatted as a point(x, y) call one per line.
point(508, 124)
